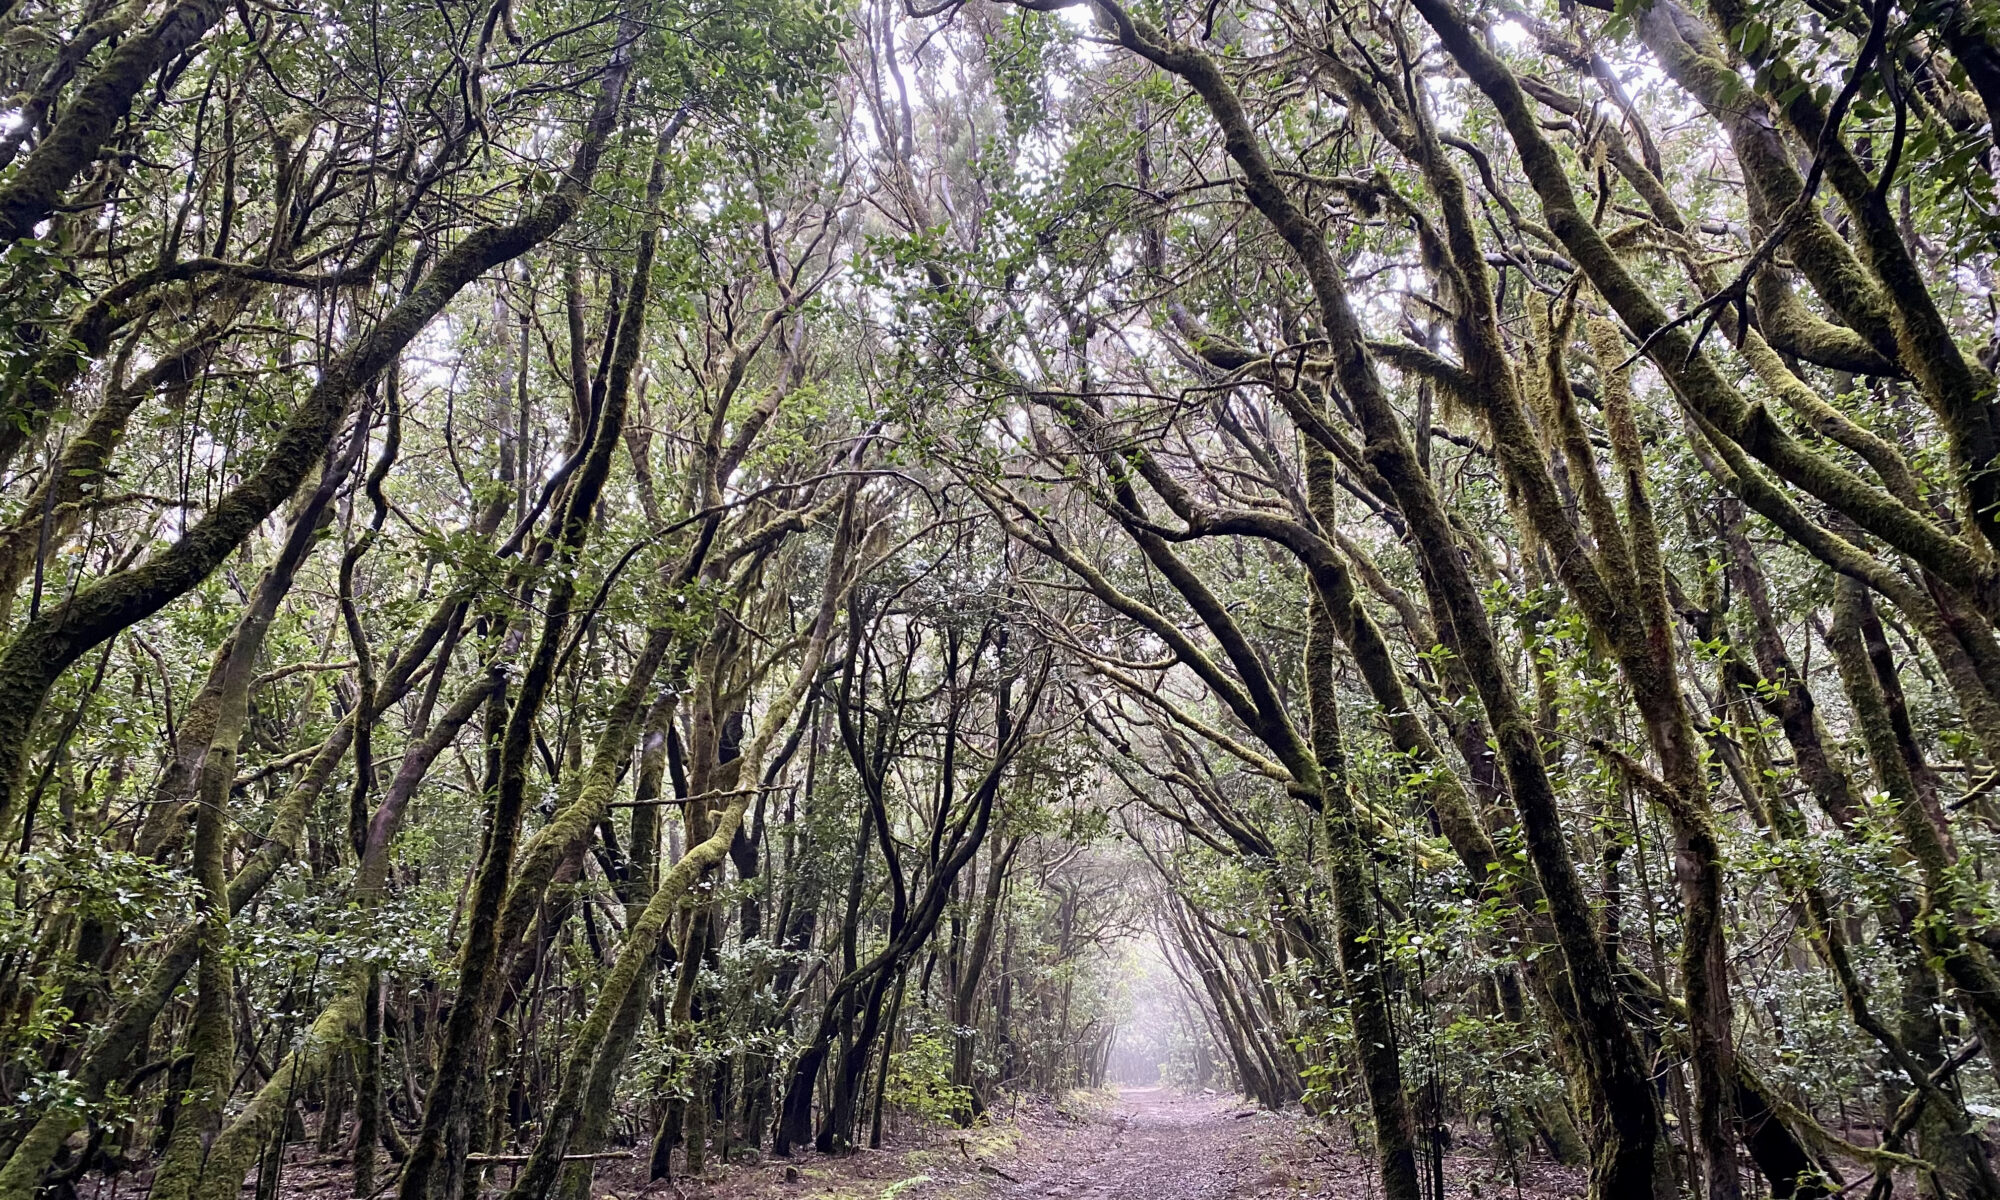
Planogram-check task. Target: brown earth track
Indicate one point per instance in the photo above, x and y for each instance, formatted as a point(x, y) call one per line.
point(1156, 1144)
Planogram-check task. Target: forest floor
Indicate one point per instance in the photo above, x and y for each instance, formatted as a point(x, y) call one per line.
point(1135, 1144)
point(1142, 1144)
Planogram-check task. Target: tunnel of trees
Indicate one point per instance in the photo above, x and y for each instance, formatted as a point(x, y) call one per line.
point(695, 579)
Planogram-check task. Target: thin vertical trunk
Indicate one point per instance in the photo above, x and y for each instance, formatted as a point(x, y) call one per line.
point(882, 1065)
point(1360, 936)
point(964, 1008)
point(368, 1087)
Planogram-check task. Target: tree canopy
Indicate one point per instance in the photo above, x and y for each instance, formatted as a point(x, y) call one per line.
point(710, 576)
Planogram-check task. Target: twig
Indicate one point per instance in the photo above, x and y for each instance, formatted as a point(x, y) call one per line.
point(1735, 293)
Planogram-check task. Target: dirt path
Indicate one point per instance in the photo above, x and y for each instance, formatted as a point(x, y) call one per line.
point(1158, 1145)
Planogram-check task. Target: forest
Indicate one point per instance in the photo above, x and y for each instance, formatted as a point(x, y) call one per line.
point(709, 583)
